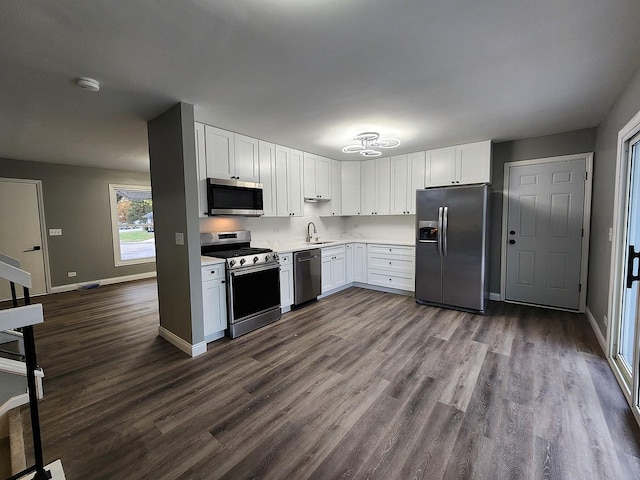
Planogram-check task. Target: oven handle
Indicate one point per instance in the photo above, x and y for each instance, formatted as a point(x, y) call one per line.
point(252, 269)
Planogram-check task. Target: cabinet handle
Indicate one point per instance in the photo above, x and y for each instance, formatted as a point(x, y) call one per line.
point(223, 281)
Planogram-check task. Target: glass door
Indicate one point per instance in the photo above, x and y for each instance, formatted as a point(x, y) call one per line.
point(626, 346)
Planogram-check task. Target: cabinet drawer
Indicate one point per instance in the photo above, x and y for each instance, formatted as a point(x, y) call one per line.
point(212, 272)
point(333, 251)
point(398, 250)
point(285, 258)
point(392, 280)
point(390, 263)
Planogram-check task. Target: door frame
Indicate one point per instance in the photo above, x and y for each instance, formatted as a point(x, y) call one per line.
point(586, 223)
point(43, 227)
point(618, 255)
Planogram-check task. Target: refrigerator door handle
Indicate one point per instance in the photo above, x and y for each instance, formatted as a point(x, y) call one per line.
point(440, 211)
point(445, 232)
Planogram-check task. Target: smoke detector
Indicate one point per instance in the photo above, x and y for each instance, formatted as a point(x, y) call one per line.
point(88, 84)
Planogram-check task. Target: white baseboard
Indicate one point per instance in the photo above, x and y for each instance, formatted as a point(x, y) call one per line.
point(495, 296)
point(186, 347)
point(105, 281)
point(596, 329)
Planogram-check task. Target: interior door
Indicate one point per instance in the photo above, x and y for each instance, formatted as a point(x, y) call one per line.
point(544, 233)
point(21, 233)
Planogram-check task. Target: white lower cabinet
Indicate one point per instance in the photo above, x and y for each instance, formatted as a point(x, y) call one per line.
point(286, 281)
point(360, 262)
point(391, 266)
point(348, 250)
point(333, 268)
point(214, 302)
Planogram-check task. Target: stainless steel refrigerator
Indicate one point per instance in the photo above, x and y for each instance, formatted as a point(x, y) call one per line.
point(452, 228)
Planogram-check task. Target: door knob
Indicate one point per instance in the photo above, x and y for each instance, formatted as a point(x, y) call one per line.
point(512, 242)
point(37, 247)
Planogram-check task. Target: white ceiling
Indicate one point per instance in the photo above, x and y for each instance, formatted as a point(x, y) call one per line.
point(308, 74)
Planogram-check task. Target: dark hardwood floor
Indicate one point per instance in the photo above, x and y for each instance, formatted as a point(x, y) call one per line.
point(362, 385)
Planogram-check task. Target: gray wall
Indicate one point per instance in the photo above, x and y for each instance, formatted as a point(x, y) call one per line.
point(76, 199)
point(626, 106)
point(579, 141)
point(175, 204)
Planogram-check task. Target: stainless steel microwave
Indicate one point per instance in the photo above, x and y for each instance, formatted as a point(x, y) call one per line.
point(234, 197)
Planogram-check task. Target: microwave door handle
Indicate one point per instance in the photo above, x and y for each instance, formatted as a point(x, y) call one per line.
point(439, 235)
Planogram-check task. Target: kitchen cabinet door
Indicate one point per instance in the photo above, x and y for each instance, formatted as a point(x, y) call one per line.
point(326, 274)
point(360, 262)
point(348, 249)
point(267, 159)
point(368, 187)
point(294, 173)
point(339, 270)
point(383, 186)
point(310, 166)
point(286, 282)
point(220, 153)
point(399, 175)
point(323, 178)
point(333, 207)
point(416, 178)
point(214, 307)
point(350, 188)
point(441, 167)
point(282, 182)
point(201, 164)
point(473, 163)
point(246, 166)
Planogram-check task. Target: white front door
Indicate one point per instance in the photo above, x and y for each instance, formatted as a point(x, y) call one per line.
point(21, 233)
point(544, 233)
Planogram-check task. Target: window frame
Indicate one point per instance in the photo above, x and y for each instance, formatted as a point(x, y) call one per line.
point(115, 230)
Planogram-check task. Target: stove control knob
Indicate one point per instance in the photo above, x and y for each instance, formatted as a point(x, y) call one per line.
point(232, 263)
point(266, 257)
point(242, 261)
point(255, 259)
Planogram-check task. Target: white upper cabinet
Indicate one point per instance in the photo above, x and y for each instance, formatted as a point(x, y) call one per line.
point(407, 175)
point(473, 162)
point(246, 164)
point(201, 165)
point(231, 155)
point(459, 165)
point(288, 182)
point(441, 167)
point(220, 152)
point(350, 188)
point(416, 178)
point(333, 208)
point(317, 177)
point(376, 186)
point(267, 158)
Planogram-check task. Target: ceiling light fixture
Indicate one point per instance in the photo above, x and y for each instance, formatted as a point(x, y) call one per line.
point(369, 141)
point(88, 84)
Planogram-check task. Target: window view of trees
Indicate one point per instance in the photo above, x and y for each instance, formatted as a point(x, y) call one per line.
point(133, 222)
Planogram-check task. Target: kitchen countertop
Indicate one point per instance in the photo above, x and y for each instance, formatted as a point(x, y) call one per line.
point(206, 261)
point(297, 247)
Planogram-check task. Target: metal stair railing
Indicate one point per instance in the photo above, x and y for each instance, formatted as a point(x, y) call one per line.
point(25, 317)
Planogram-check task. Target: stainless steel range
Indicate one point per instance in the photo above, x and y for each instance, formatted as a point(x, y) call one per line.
point(253, 280)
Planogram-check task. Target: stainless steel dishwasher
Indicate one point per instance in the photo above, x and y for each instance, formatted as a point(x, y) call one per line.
point(307, 275)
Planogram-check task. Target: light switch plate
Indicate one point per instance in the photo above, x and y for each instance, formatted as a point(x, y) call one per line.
point(179, 238)
point(53, 232)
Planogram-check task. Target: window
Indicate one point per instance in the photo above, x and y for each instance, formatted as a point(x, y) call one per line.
point(132, 224)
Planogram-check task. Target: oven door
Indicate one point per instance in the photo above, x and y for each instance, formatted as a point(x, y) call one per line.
point(253, 291)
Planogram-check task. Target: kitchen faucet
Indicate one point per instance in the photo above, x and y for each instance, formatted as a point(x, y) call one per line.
point(314, 231)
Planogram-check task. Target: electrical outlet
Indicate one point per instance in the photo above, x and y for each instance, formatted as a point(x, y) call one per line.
point(71, 274)
point(53, 232)
point(179, 238)
point(605, 320)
